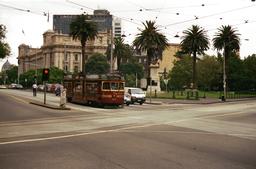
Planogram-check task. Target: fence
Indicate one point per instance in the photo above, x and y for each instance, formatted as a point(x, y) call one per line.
point(196, 94)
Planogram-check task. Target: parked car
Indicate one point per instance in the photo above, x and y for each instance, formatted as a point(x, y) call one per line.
point(19, 86)
point(12, 86)
point(3, 87)
point(15, 86)
point(137, 95)
point(58, 88)
point(40, 87)
point(127, 99)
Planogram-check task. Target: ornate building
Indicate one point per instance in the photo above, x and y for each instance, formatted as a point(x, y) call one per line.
point(6, 66)
point(61, 51)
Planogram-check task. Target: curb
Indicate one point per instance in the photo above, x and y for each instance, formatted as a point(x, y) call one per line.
point(154, 103)
point(49, 106)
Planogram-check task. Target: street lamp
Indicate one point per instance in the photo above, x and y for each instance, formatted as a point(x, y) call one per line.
point(111, 48)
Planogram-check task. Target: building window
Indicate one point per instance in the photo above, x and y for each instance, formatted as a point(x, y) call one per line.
point(76, 69)
point(100, 39)
point(67, 55)
point(76, 57)
point(66, 68)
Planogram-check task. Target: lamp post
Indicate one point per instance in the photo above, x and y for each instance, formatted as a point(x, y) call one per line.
point(224, 74)
point(111, 48)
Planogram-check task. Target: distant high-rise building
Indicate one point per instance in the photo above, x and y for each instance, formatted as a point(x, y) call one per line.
point(117, 27)
point(103, 19)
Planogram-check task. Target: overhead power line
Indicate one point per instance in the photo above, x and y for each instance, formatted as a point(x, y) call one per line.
point(207, 16)
point(72, 2)
point(26, 10)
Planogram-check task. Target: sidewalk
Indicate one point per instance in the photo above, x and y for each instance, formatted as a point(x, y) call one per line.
point(51, 106)
point(200, 101)
point(52, 101)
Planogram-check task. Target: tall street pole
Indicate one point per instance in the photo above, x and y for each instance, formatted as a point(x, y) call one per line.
point(111, 48)
point(224, 74)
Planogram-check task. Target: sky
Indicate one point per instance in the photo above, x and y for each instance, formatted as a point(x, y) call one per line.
point(27, 20)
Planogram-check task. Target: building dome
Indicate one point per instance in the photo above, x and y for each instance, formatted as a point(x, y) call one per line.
point(6, 66)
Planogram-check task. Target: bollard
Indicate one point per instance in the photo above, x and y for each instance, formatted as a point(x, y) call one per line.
point(63, 98)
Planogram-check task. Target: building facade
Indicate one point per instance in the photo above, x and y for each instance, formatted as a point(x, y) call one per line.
point(117, 28)
point(160, 68)
point(60, 50)
point(102, 18)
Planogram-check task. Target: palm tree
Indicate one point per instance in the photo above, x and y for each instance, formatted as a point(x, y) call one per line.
point(227, 39)
point(195, 41)
point(152, 41)
point(121, 50)
point(83, 30)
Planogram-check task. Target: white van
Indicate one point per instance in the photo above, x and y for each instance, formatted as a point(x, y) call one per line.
point(137, 95)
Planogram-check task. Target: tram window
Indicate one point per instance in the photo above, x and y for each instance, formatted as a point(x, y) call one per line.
point(114, 86)
point(121, 86)
point(78, 87)
point(106, 85)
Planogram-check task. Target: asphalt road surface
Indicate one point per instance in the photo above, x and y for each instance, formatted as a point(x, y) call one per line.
point(176, 136)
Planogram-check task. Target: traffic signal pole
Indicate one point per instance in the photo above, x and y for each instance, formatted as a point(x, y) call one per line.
point(45, 77)
point(44, 92)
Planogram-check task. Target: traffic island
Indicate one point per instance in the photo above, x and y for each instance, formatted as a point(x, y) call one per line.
point(49, 106)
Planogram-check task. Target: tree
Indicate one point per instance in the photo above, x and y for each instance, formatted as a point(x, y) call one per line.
point(236, 74)
point(83, 30)
point(227, 39)
point(97, 64)
point(56, 75)
point(12, 74)
point(27, 79)
point(195, 41)
point(181, 74)
point(250, 72)
point(121, 51)
point(209, 71)
point(4, 47)
point(152, 41)
point(130, 70)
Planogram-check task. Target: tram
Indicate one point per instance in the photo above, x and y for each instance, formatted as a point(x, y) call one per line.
point(106, 89)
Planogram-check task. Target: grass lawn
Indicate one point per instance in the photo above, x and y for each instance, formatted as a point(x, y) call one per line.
point(201, 94)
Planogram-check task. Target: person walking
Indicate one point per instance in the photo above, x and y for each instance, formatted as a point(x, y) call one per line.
point(34, 86)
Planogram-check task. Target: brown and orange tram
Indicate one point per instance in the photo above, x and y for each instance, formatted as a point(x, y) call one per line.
point(107, 89)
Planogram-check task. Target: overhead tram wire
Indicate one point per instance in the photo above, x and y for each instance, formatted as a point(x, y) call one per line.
point(25, 10)
point(80, 5)
point(132, 20)
point(128, 20)
point(207, 16)
point(135, 4)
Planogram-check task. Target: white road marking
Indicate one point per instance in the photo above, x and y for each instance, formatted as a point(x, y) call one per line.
point(204, 117)
point(20, 100)
point(72, 135)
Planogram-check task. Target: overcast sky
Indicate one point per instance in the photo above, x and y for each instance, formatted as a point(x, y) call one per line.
point(25, 20)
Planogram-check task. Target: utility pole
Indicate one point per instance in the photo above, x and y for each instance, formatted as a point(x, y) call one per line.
point(224, 74)
point(111, 48)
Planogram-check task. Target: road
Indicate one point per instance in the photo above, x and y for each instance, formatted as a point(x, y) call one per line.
point(177, 136)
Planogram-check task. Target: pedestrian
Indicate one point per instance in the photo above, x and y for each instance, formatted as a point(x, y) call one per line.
point(34, 89)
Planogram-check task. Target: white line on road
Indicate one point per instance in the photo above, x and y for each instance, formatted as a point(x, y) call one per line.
point(204, 117)
point(73, 135)
point(120, 129)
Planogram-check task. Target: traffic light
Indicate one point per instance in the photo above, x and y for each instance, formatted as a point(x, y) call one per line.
point(46, 74)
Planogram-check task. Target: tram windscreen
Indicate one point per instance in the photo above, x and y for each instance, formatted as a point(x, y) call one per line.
point(113, 86)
